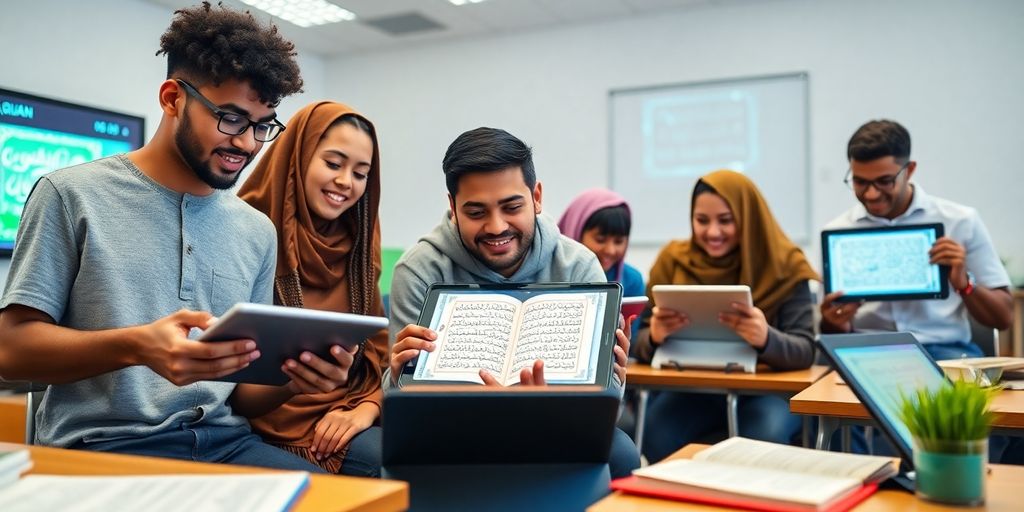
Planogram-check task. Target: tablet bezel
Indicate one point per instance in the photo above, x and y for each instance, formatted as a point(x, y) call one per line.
point(282, 333)
point(830, 342)
point(827, 264)
point(605, 375)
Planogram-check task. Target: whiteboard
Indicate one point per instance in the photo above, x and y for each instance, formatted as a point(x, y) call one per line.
point(663, 138)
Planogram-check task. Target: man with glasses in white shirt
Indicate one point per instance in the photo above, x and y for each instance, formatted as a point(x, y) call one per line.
point(880, 176)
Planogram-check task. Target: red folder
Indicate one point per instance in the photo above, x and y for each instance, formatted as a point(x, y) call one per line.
point(639, 486)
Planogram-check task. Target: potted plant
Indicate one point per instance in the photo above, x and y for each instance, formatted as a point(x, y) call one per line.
point(950, 427)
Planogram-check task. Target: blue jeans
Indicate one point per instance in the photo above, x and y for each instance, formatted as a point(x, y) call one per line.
point(364, 454)
point(206, 443)
point(624, 457)
point(952, 350)
point(677, 419)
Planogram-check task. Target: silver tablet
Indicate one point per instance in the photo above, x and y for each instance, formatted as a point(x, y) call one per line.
point(702, 304)
point(705, 343)
point(283, 333)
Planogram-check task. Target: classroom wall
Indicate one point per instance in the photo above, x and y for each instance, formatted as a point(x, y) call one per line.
point(949, 70)
point(109, 62)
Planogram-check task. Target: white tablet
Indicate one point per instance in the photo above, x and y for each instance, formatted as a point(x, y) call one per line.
point(702, 304)
point(283, 333)
point(705, 343)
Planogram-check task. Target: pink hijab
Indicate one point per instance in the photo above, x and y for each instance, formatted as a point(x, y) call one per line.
point(579, 212)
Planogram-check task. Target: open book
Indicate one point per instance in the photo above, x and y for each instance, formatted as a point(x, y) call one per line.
point(758, 475)
point(987, 370)
point(503, 335)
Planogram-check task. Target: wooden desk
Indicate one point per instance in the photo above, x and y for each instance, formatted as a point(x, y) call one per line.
point(325, 492)
point(1002, 494)
point(12, 418)
point(731, 385)
point(833, 402)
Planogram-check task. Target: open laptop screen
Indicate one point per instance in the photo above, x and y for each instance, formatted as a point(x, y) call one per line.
point(880, 368)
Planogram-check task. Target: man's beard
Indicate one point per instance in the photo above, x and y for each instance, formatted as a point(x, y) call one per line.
point(190, 150)
point(525, 241)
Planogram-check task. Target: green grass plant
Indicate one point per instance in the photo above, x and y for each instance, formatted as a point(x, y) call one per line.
point(943, 419)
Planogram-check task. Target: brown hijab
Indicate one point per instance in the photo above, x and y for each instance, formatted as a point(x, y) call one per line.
point(766, 259)
point(329, 265)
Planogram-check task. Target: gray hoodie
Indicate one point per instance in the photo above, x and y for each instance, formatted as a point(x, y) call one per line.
point(440, 257)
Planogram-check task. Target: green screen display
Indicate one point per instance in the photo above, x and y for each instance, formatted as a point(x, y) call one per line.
point(40, 135)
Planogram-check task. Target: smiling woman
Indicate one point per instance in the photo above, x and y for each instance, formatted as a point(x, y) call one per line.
point(320, 185)
point(736, 240)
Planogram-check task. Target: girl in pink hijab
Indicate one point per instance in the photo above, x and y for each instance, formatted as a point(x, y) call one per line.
point(600, 219)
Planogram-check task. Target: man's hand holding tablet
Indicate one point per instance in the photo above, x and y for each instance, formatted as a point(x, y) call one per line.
point(886, 263)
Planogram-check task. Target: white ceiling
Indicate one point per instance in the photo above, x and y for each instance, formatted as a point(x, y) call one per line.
point(472, 20)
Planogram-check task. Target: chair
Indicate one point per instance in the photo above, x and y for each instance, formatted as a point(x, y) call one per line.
point(32, 400)
point(985, 337)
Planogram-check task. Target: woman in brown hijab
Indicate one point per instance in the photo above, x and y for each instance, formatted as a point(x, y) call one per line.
point(735, 240)
point(320, 185)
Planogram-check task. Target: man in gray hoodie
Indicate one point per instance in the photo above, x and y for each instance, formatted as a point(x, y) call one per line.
point(493, 234)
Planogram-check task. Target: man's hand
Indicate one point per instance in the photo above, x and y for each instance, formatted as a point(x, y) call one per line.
point(311, 374)
point(621, 348)
point(533, 376)
point(334, 431)
point(165, 348)
point(945, 251)
point(747, 321)
point(664, 322)
point(836, 316)
point(411, 340)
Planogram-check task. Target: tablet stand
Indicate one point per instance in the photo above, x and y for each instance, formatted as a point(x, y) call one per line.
point(706, 355)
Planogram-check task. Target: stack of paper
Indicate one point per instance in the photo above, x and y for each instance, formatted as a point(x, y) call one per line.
point(261, 492)
point(14, 460)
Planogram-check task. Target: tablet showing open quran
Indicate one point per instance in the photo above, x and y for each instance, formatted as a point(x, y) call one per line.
point(505, 328)
point(884, 263)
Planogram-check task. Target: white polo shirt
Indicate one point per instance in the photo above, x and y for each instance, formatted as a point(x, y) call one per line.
point(934, 320)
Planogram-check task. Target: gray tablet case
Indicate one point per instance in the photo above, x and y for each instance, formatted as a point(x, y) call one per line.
point(282, 332)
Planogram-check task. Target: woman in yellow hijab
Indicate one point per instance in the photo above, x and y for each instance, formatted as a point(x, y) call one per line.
point(735, 240)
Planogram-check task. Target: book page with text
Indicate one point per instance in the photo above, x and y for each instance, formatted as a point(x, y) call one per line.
point(474, 332)
point(559, 329)
point(762, 454)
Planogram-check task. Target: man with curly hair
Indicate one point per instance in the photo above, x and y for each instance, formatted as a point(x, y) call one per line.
point(117, 260)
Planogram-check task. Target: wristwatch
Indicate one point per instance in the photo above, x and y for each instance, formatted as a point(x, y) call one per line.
point(969, 289)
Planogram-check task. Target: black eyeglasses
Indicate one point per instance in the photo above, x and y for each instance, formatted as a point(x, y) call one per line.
point(232, 123)
point(884, 184)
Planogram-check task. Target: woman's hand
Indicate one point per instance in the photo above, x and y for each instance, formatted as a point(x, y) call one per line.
point(334, 431)
point(664, 322)
point(748, 322)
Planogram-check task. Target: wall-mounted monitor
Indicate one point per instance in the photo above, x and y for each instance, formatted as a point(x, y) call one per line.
point(39, 135)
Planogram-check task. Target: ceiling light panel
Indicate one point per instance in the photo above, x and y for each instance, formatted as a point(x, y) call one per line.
point(304, 13)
